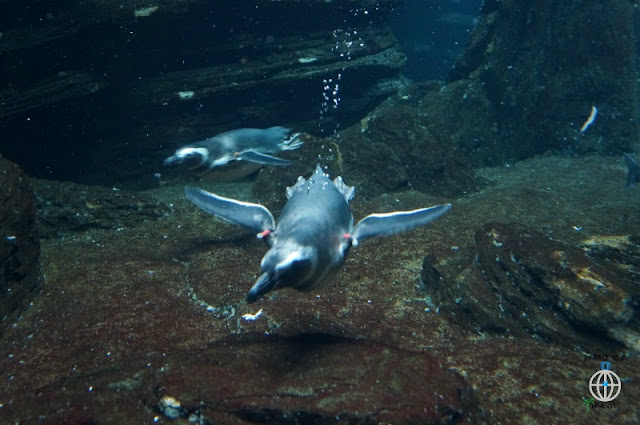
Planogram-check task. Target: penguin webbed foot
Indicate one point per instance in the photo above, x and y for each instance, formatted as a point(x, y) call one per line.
point(262, 159)
point(293, 142)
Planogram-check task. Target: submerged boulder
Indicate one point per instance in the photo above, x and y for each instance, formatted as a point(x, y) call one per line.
point(19, 243)
point(516, 281)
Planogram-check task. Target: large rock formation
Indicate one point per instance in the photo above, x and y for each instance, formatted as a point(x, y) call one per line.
point(517, 281)
point(65, 208)
point(542, 65)
point(148, 322)
point(19, 243)
point(525, 84)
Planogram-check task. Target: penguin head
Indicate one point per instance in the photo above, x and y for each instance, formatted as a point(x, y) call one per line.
point(286, 264)
point(189, 156)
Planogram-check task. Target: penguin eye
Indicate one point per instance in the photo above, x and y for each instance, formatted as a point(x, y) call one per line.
point(193, 158)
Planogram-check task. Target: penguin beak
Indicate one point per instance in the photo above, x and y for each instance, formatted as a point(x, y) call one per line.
point(287, 265)
point(264, 284)
point(170, 161)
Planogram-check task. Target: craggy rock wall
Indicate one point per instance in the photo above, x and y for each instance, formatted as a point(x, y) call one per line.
point(525, 85)
point(19, 241)
point(100, 91)
point(543, 64)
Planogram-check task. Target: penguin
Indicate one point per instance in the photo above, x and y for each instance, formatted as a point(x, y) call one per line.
point(633, 175)
point(236, 153)
point(314, 233)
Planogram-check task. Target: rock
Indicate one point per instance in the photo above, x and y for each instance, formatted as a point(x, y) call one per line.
point(148, 323)
point(153, 328)
point(378, 156)
point(65, 207)
point(404, 144)
point(519, 282)
point(315, 379)
point(543, 70)
point(429, 136)
point(19, 243)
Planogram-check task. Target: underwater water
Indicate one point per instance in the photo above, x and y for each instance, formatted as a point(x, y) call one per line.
point(433, 34)
point(319, 212)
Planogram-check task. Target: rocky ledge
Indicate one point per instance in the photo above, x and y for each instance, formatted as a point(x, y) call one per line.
point(19, 242)
point(505, 321)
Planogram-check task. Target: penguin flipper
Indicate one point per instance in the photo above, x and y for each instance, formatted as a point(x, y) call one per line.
point(261, 158)
point(395, 222)
point(253, 217)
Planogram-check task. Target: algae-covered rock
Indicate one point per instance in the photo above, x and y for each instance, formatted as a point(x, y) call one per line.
point(19, 240)
point(517, 281)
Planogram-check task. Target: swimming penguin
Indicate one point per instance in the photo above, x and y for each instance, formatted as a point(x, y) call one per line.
point(314, 233)
point(633, 175)
point(236, 153)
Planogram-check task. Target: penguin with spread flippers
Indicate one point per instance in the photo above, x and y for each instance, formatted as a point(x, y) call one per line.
point(314, 233)
point(236, 153)
point(633, 175)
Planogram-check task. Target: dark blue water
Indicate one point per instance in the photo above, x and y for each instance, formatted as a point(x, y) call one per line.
point(433, 33)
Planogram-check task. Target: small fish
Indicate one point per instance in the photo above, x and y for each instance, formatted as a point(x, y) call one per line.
point(236, 153)
point(633, 176)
